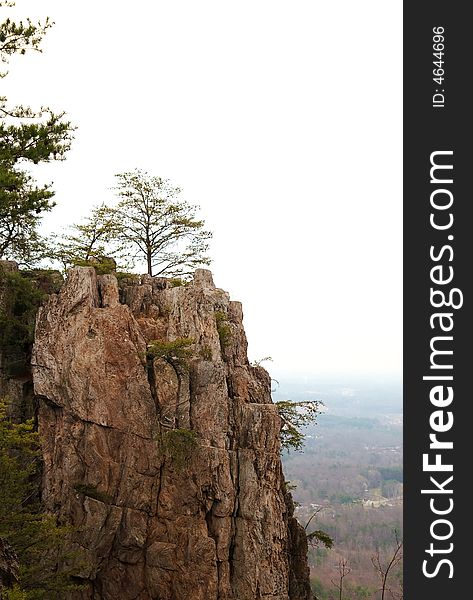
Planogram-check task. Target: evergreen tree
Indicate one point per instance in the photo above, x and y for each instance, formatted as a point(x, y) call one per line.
point(39, 543)
point(27, 136)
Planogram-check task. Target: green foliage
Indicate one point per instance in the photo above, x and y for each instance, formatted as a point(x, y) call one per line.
point(156, 226)
point(102, 265)
point(176, 282)
point(295, 416)
point(92, 492)
point(19, 464)
point(21, 298)
point(392, 473)
point(179, 445)
point(18, 38)
point(176, 352)
point(320, 537)
point(39, 543)
point(223, 328)
point(16, 593)
point(90, 243)
point(149, 223)
point(346, 499)
point(350, 591)
point(47, 281)
point(26, 137)
point(123, 277)
point(165, 311)
point(320, 591)
point(359, 592)
point(206, 353)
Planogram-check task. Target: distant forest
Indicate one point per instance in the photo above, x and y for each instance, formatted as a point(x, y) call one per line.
point(350, 477)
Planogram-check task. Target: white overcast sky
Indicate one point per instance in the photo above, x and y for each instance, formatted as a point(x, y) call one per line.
point(282, 120)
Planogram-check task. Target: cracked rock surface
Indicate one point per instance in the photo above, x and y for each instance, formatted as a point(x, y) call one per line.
point(220, 526)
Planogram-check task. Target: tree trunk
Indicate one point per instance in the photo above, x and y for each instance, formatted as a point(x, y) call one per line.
point(383, 590)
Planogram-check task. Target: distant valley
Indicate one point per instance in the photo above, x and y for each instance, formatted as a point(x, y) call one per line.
point(350, 474)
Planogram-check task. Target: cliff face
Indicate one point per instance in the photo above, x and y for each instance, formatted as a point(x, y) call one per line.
point(213, 523)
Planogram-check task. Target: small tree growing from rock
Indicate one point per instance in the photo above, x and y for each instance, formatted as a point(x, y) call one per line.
point(175, 353)
point(295, 416)
point(178, 445)
point(317, 536)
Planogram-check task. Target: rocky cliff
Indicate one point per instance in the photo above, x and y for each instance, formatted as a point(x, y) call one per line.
point(161, 443)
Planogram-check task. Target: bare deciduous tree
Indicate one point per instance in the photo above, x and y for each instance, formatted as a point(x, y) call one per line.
point(385, 568)
point(343, 570)
point(159, 227)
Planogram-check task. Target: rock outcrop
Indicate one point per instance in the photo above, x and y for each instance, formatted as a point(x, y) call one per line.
point(206, 517)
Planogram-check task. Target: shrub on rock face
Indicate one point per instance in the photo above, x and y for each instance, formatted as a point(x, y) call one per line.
point(175, 352)
point(176, 282)
point(223, 328)
point(178, 445)
point(206, 353)
point(294, 417)
point(103, 265)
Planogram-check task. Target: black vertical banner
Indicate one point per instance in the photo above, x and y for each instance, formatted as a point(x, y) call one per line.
point(438, 360)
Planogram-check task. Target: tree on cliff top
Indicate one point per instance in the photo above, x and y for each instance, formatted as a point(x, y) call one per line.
point(26, 137)
point(159, 227)
point(93, 241)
